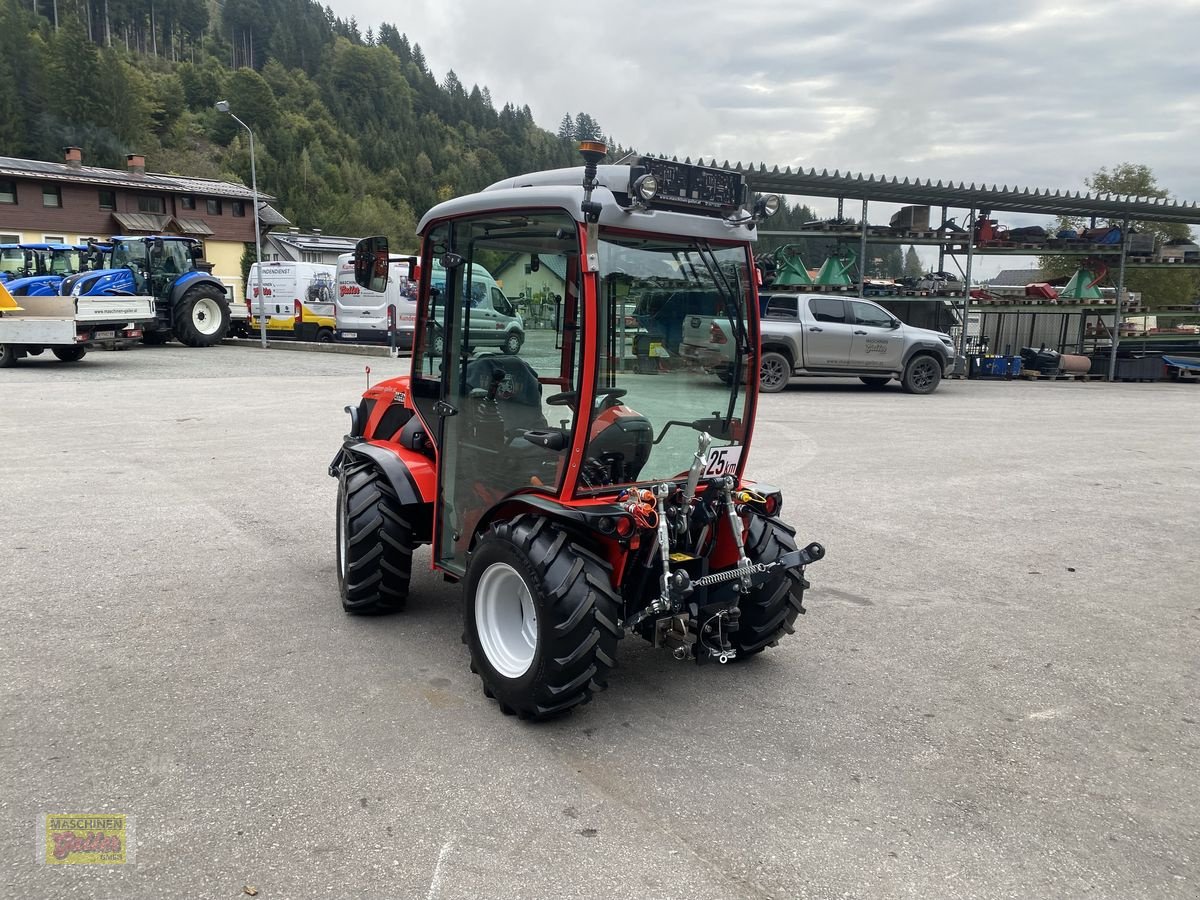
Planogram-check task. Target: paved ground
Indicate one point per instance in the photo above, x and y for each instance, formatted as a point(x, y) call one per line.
point(994, 693)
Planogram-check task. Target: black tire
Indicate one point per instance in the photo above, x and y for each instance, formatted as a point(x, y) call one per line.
point(155, 338)
point(201, 317)
point(922, 375)
point(325, 336)
point(769, 613)
point(774, 372)
point(512, 344)
point(374, 542)
point(8, 356)
point(725, 376)
point(69, 354)
point(874, 382)
point(575, 610)
point(438, 344)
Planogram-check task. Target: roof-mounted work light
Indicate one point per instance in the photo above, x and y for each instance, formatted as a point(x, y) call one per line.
point(645, 187)
point(766, 206)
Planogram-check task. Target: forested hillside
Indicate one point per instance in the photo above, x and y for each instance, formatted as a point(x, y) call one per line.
point(353, 133)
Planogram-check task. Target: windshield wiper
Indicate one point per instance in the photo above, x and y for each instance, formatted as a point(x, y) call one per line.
point(736, 323)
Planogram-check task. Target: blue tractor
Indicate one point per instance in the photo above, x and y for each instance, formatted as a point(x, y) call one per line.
point(191, 305)
point(37, 270)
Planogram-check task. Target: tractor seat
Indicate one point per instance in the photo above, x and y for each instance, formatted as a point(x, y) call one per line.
point(519, 396)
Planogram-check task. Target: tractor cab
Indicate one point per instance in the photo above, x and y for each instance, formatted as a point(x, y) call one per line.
point(155, 262)
point(597, 458)
point(41, 269)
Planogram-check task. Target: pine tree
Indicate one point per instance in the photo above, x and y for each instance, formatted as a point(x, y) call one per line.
point(566, 128)
point(912, 263)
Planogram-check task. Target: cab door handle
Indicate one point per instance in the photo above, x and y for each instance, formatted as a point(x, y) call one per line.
point(860, 332)
point(815, 328)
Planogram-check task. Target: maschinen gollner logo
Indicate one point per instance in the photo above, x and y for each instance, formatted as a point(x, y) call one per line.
point(86, 838)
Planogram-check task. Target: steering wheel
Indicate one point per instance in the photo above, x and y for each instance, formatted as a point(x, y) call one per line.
point(569, 398)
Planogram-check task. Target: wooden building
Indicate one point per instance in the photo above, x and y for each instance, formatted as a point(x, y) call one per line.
point(68, 202)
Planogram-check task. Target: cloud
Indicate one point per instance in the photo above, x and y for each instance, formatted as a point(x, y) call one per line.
point(1025, 92)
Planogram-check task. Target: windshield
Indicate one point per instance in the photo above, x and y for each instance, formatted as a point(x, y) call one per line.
point(672, 317)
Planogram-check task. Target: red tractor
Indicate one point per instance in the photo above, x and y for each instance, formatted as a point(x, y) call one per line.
point(574, 491)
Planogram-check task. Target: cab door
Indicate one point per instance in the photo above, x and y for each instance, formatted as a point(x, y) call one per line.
point(877, 342)
point(484, 401)
point(828, 333)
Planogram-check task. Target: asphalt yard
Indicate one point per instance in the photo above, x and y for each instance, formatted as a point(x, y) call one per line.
point(993, 694)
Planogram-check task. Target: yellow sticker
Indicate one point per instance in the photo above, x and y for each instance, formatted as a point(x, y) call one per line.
point(86, 839)
point(680, 557)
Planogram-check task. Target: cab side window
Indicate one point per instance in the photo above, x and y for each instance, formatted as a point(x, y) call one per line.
point(869, 314)
point(827, 309)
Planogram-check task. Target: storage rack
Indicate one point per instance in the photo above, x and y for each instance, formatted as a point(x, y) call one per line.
point(865, 189)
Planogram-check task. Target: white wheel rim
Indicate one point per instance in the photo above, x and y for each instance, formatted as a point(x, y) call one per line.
point(343, 539)
point(206, 315)
point(506, 620)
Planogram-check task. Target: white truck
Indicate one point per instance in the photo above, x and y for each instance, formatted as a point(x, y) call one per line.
point(826, 335)
point(67, 326)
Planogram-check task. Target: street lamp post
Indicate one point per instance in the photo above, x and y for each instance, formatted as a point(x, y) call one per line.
point(223, 106)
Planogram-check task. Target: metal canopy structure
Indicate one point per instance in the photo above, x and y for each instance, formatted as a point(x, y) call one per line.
point(980, 201)
point(885, 189)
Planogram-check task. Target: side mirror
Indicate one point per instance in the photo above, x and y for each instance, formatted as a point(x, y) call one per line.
point(896, 323)
point(371, 264)
point(197, 251)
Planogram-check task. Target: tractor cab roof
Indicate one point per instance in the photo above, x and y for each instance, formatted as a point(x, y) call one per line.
point(152, 237)
point(563, 188)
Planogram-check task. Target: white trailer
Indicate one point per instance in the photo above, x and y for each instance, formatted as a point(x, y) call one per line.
point(67, 326)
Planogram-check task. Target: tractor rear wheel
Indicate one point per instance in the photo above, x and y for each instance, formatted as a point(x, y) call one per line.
point(201, 316)
point(770, 611)
point(374, 542)
point(69, 354)
point(540, 618)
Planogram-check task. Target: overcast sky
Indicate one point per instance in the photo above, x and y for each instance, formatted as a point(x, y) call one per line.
point(1039, 94)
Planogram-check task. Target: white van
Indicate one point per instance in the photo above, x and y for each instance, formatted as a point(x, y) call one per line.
point(362, 315)
point(298, 299)
point(494, 320)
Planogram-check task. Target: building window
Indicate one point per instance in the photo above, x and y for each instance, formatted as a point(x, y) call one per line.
point(108, 199)
point(8, 194)
point(214, 206)
point(151, 203)
point(239, 208)
point(310, 256)
point(10, 239)
point(51, 195)
point(54, 238)
point(187, 201)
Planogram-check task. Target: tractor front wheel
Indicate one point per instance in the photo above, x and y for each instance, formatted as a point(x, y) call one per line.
point(374, 542)
point(770, 610)
point(201, 317)
point(540, 618)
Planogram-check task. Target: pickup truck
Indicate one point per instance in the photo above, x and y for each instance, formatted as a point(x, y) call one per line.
point(68, 325)
point(826, 335)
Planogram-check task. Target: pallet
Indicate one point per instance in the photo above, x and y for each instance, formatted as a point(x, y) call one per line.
point(1030, 375)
